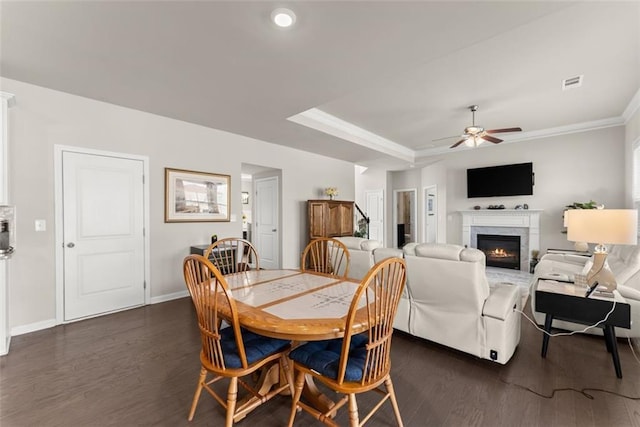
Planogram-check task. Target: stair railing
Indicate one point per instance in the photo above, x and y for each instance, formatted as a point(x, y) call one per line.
point(362, 223)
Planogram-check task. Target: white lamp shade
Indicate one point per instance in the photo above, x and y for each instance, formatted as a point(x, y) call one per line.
point(602, 226)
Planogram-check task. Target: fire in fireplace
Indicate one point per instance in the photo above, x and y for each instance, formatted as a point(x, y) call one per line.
point(501, 251)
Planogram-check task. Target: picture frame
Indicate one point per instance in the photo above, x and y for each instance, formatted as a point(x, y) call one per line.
point(245, 197)
point(430, 210)
point(192, 196)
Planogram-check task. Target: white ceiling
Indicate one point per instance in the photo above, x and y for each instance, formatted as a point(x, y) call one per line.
point(402, 71)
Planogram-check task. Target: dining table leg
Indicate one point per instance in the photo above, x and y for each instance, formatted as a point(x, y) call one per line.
point(268, 382)
point(315, 397)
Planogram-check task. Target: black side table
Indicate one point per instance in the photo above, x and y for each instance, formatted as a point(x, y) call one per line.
point(567, 302)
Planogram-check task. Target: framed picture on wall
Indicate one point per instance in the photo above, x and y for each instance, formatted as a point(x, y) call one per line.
point(245, 197)
point(192, 196)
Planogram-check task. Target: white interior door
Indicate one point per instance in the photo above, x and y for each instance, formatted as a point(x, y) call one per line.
point(266, 222)
point(431, 214)
point(103, 234)
point(374, 207)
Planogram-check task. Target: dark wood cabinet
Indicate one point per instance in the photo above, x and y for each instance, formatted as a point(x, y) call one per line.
point(330, 218)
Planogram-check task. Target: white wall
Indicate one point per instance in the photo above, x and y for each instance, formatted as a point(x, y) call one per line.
point(43, 118)
point(569, 168)
point(435, 174)
point(572, 168)
point(632, 139)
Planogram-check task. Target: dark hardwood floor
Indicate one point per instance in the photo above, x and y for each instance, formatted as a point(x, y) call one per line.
point(140, 367)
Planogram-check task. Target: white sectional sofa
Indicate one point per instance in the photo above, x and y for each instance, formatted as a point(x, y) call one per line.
point(447, 298)
point(451, 302)
point(361, 255)
point(624, 262)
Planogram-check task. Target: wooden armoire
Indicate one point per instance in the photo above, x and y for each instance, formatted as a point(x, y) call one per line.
point(330, 218)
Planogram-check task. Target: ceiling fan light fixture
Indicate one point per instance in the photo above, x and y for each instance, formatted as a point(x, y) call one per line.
point(473, 130)
point(474, 135)
point(473, 141)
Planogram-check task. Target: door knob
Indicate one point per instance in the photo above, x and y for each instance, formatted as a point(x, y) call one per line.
point(274, 230)
point(71, 245)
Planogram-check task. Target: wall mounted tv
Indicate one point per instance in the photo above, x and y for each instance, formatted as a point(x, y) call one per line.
point(503, 180)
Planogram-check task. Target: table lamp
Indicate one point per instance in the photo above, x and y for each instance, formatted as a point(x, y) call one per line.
point(602, 226)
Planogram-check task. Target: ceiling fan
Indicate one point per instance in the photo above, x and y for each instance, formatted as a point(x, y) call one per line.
point(476, 135)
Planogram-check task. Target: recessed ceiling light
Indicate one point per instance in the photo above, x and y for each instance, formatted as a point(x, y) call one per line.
point(283, 17)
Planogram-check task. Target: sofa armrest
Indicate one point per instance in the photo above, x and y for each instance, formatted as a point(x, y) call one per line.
point(566, 258)
point(503, 298)
point(628, 293)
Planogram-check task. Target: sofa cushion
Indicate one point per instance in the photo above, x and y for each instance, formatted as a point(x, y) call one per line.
point(383, 253)
point(410, 248)
point(359, 243)
point(370, 245)
point(440, 251)
point(472, 255)
point(351, 242)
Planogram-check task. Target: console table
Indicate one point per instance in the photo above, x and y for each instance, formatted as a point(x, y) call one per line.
point(566, 301)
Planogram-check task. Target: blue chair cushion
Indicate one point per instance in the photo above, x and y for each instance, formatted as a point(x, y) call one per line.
point(324, 357)
point(256, 347)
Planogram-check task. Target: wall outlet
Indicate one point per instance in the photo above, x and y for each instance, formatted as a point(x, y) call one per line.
point(41, 225)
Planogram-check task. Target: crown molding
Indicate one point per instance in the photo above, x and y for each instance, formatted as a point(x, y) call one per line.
point(632, 108)
point(9, 98)
point(538, 134)
point(332, 125)
point(325, 122)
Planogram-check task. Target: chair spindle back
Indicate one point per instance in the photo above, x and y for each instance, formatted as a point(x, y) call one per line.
point(326, 255)
point(211, 297)
point(381, 289)
point(233, 255)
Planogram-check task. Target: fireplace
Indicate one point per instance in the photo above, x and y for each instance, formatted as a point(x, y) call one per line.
point(501, 251)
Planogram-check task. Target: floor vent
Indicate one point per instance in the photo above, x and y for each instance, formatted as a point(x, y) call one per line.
point(572, 82)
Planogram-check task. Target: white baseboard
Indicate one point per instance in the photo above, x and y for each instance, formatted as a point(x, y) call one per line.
point(32, 327)
point(45, 324)
point(5, 350)
point(169, 297)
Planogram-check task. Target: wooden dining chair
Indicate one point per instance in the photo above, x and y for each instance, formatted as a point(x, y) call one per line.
point(356, 363)
point(233, 255)
point(326, 255)
point(231, 352)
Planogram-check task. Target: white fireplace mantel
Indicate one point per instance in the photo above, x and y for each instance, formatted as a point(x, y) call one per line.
point(508, 218)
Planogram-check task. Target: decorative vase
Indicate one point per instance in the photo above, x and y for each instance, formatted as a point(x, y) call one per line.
point(330, 196)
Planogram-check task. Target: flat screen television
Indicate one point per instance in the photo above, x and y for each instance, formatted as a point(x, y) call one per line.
point(503, 180)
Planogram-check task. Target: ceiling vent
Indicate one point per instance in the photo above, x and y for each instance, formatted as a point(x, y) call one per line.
point(572, 82)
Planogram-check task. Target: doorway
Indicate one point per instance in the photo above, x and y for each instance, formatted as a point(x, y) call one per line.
point(404, 217)
point(263, 185)
point(102, 249)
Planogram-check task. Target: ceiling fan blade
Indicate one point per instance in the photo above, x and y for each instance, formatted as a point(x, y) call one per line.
point(491, 139)
point(446, 137)
point(458, 143)
point(503, 130)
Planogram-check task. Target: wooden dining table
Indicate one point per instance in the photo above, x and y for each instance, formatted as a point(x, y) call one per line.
point(297, 306)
